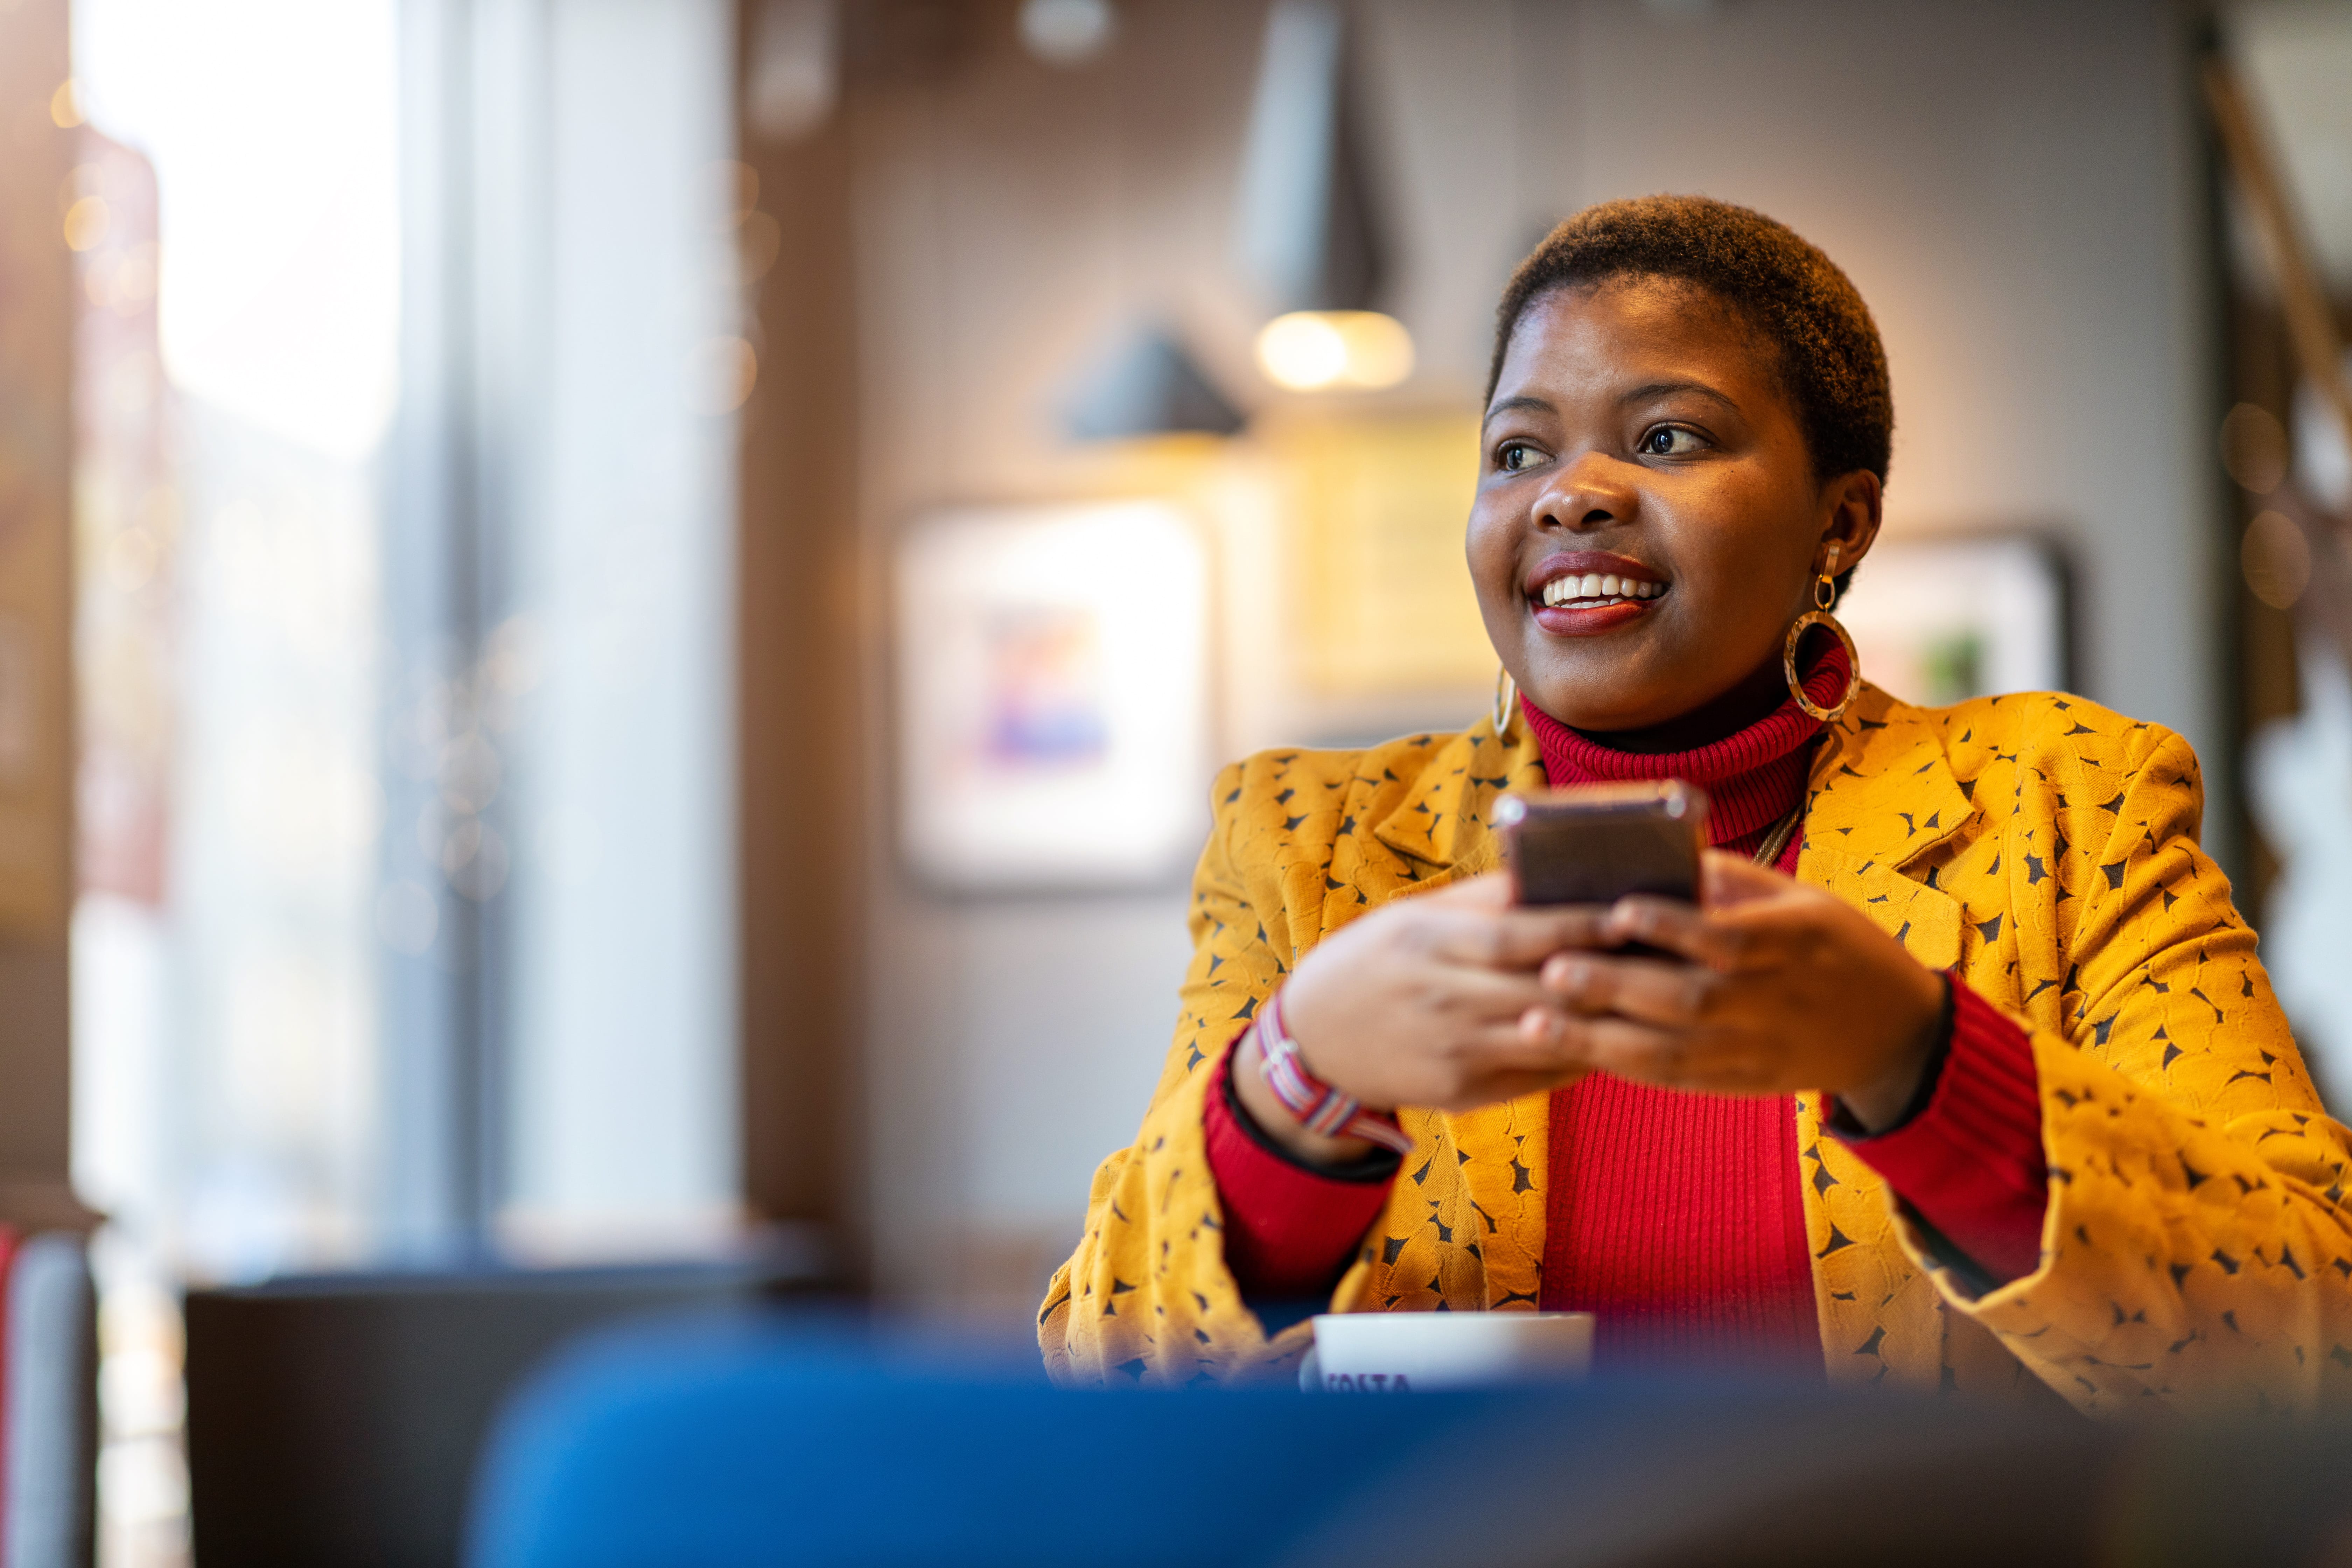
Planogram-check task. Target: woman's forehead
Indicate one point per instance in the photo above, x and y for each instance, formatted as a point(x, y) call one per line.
point(1629, 332)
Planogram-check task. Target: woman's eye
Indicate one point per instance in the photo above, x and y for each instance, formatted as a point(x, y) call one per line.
point(1515, 456)
point(1670, 441)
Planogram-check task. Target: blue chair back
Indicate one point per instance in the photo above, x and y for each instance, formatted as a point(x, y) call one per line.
point(748, 1440)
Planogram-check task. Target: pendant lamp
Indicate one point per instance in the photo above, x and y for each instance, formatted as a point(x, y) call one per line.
point(1308, 234)
point(1147, 385)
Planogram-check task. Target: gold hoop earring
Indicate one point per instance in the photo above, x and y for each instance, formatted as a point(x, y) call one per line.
point(1507, 702)
point(1824, 595)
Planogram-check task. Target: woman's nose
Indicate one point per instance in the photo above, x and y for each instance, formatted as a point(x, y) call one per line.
point(1586, 495)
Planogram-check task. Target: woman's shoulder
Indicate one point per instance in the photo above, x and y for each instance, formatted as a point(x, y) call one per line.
point(1906, 782)
point(2052, 735)
point(1301, 794)
point(1286, 779)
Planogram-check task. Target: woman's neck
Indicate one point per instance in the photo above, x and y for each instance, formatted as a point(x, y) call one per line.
point(1756, 697)
point(1752, 757)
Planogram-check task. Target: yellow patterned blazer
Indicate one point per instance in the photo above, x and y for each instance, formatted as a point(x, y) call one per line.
point(2197, 1249)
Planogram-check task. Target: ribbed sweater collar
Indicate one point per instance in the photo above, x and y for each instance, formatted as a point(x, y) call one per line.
point(1753, 777)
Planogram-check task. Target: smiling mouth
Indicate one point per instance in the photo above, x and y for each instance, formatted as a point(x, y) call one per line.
point(1590, 590)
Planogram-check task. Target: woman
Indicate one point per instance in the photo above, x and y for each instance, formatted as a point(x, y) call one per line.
point(1963, 1075)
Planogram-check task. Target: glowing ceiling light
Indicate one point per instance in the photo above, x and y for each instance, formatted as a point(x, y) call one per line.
point(1313, 351)
point(1067, 32)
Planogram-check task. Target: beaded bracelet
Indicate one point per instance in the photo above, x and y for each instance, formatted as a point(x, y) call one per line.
point(1317, 1105)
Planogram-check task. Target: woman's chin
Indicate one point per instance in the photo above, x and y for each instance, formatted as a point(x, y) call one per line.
point(1598, 721)
point(1602, 687)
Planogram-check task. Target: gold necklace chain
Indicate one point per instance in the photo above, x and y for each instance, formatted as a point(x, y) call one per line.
point(1768, 853)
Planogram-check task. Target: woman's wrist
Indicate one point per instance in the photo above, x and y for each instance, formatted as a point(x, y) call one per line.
point(1277, 1122)
point(1887, 1100)
point(1325, 1123)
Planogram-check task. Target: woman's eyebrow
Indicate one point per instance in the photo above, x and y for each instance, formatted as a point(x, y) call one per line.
point(1669, 388)
point(1509, 404)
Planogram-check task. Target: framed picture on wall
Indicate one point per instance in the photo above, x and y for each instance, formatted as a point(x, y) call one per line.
point(1938, 618)
point(1052, 682)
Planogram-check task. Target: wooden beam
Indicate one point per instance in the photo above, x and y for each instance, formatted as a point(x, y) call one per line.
point(36, 317)
point(2311, 319)
point(801, 736)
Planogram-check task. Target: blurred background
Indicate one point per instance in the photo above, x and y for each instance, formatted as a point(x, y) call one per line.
point(615, 616)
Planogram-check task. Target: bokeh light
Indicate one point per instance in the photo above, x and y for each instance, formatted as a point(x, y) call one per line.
point(1067, 32)
point(2254, 447)
point(86, 223)
point(726, 369)
point(1313, 351)
point(2276, 560)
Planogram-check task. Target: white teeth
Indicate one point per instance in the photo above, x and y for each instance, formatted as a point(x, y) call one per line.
point(1597, 586)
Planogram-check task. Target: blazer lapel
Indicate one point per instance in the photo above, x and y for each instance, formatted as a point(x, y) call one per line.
point(1882, 789)
point(1443, 819)
point(1884, 798)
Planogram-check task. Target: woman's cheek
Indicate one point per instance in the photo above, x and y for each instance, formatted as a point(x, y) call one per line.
point(1494, 568)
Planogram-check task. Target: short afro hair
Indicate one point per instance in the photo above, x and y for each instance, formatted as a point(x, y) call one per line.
point(1830, 356)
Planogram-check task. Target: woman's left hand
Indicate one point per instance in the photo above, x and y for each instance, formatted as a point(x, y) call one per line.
point(1774, 987)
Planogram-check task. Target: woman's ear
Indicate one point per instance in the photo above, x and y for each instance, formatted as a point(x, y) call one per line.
point(1853, 505)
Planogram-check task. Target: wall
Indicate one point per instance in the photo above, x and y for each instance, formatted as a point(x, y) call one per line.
point(1009, 219)
point(2015, 188)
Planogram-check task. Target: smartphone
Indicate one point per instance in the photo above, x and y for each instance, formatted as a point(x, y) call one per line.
point(1594, 844)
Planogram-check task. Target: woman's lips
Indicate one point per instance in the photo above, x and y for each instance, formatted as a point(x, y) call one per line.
point(1591, 620)
point(1586, 591)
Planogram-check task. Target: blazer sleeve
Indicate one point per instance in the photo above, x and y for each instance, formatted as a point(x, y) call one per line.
point(1148, 1296)
point(2197, 1246)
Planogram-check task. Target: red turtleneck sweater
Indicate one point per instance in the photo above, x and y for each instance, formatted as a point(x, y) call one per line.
point(1676, 1218)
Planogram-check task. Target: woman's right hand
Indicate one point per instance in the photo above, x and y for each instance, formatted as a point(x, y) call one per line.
point(1433, 1000)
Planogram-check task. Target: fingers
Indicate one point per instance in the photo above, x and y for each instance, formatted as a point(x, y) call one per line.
point(1712, 1061)
point(1491, 890)
point(1544, 1049)
point(1682, 930)
point(1747, 928)
point(1519, 938)
point(1727, 879)
point(1529, 936)
point(1647, 990)
point(1679, 1026)
point(1535, 1040)
point(1485, 996)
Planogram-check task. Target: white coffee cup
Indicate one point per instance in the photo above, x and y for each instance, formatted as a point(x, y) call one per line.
point(1396, 1353)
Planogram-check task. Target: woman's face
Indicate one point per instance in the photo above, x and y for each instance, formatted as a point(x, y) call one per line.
point(1639, 431)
